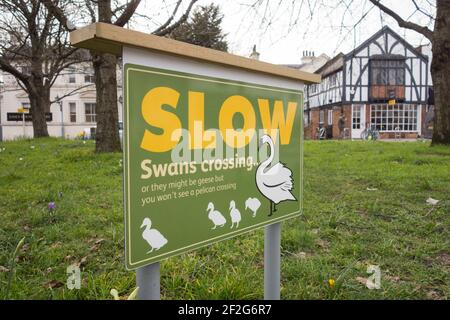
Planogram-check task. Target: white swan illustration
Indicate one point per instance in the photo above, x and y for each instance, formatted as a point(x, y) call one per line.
point(234, 214)
point(274, 182)
point(215, 216)
point(253, 204)
point(154, 238)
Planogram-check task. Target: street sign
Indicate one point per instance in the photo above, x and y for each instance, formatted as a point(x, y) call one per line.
point(18, 116)
point(212, 148)
point(206, 159)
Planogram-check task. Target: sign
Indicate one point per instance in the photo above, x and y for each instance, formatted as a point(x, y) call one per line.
point(17, 116)
point(392, 94)
point(392, 102)
point(205, 159)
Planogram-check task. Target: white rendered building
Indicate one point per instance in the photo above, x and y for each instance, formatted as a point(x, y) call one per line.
point(74, 113)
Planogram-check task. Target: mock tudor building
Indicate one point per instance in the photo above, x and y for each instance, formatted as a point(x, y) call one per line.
point(384, 83)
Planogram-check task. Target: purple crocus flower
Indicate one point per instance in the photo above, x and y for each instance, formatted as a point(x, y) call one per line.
point(51, 206)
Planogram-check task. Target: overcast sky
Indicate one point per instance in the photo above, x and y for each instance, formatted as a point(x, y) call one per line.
point(283, 29)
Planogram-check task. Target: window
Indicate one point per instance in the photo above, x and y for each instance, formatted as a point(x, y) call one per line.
point(387, 72)
point(89, 78)
point(26, 105)
point(314, 88)
point(73, 112)
point(89, 111)
point(398, 117)
point(321, 116)
point(72, 78)
point(330, 117)
point(26, 70)
point(356, 117)
point(333, 80)
point(306, 118)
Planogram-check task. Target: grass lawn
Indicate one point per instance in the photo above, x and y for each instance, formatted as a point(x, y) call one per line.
point(344, 229)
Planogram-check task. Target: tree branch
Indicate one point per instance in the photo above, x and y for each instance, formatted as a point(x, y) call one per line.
point(182, 19)
point(91, 10)
point(166, 24)
point(54, 10)
point(7, 67)
point(418, 8)
point(127, 13)
point(72, 92)
point(404, 24)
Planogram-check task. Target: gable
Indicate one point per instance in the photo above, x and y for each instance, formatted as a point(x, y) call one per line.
point(386, 42)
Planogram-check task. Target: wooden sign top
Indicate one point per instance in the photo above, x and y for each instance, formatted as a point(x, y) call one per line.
point(109, 38)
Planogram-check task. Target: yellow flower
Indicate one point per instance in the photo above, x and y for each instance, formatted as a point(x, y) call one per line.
point(331, 283)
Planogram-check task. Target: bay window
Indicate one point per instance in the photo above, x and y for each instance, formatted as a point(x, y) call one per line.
point(398, 117)
point(388, 72)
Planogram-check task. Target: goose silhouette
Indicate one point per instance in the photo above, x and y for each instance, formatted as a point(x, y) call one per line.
point(154, 238)
point(274, 182)
point(215, 216)
point(253, 204)
point(234, 214)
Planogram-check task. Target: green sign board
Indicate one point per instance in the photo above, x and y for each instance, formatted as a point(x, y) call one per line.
point(205, 159)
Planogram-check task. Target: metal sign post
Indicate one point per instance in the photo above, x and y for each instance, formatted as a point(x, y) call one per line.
point(272, 243)
point(148, 282)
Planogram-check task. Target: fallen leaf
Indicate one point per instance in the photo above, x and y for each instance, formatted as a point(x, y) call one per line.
point(444, 259)
point(300, 255)
point(99, 241)
point(432, 201)
point(20, 258)
point(433, 295)
point(3, 269)
point(361, 280)
point(52, 284)
point(55, 245)
point(25, 247)
point(323, 243)
point(94, 248)
point(371, 189)
point(96, 245)
point(82, 262)
point(394, 279)
point(93, 239)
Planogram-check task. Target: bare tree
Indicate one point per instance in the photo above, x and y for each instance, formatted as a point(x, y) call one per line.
point(104, 64)
point(35, 51)
point(440, 67)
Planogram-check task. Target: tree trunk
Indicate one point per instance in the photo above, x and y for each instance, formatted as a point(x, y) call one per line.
point(440, 70)
point(107, 133)
point(40, 104)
